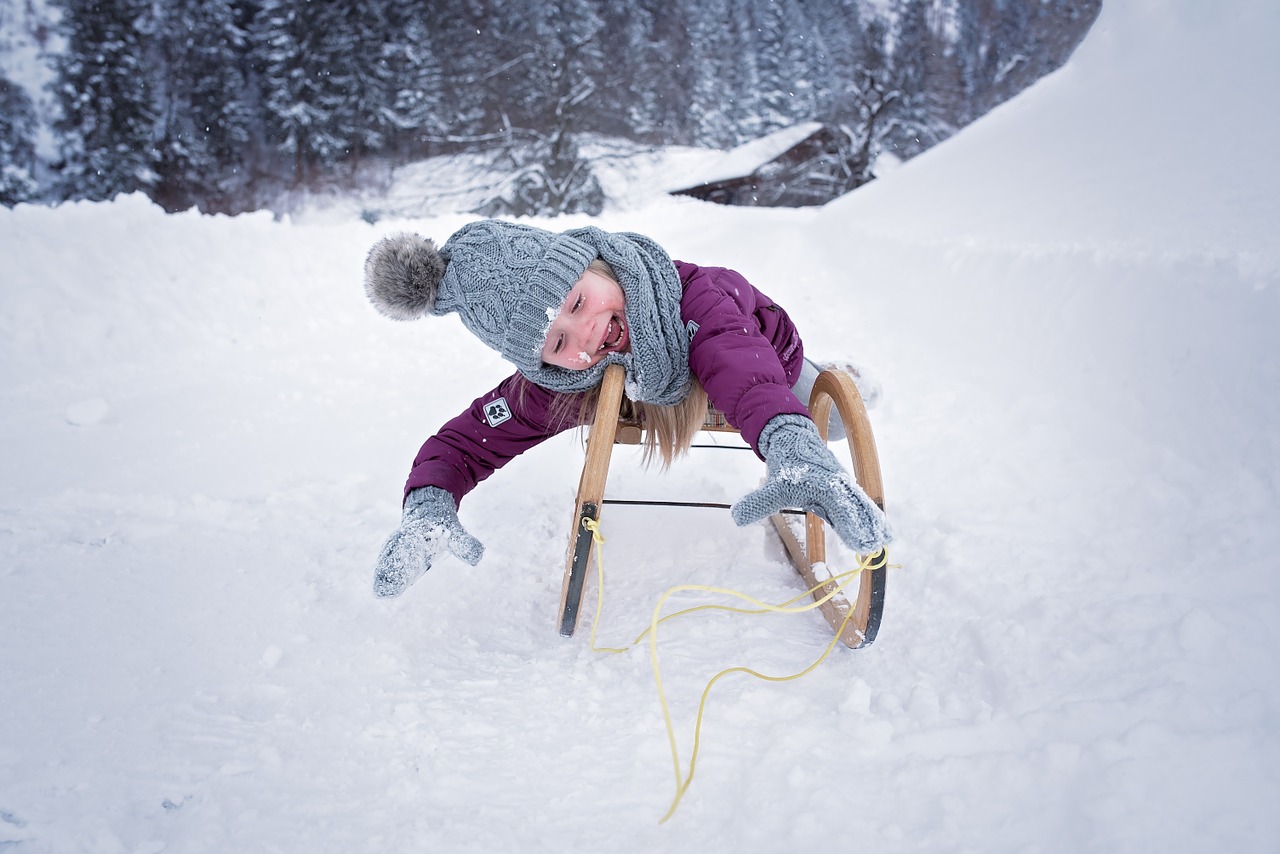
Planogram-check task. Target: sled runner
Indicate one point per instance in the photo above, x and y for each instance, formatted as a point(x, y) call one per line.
point(805, 542)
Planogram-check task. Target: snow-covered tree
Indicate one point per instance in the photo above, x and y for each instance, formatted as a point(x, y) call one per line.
point(921, 59)
point(359, 85)
point(108, 122)
point(17, 144)
point(214, 102)
point(324, 82)
point(415, 112)
point(719, 79)
point(206, 111)
point(787, 63)
point(652, 45)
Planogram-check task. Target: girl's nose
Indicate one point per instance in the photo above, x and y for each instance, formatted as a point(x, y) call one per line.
point(580, 334)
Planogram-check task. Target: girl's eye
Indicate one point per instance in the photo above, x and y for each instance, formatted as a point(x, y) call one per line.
point(559, 344)
point(576, 305)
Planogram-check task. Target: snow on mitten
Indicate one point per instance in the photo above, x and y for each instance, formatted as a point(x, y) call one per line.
point(428, 526)
point(802, 472)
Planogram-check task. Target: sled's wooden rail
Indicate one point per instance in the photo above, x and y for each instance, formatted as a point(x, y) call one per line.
point(806, 548)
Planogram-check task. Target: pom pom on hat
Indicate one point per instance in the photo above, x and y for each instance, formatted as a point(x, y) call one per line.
point(402, 276)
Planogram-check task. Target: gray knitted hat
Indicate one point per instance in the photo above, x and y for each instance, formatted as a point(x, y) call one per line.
point(501, 278)
point(507, 282)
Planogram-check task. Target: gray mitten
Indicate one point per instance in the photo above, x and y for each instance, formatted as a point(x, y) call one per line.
point(802, 472)
point(429, 526)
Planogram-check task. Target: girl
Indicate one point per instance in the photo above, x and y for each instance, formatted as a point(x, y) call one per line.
point(561, 307)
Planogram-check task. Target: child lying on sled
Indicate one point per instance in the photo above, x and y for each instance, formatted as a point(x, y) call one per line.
point(561, 307)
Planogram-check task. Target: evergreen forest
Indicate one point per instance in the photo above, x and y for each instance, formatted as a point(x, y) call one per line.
point(224, 105)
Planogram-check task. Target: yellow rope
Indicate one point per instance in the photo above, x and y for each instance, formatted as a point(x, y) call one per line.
point(598, 539)
point(682, 781)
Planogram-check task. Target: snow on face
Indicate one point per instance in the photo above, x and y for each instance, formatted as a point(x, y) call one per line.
point(553, 312)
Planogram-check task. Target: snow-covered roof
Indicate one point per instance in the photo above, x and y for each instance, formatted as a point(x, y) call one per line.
point(750, 156)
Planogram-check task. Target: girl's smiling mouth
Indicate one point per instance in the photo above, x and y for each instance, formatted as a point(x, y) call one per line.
point(615, 335)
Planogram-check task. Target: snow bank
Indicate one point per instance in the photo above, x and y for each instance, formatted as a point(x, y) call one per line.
point(205, 432)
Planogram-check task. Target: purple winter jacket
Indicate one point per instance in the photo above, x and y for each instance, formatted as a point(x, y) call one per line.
point(743, 348)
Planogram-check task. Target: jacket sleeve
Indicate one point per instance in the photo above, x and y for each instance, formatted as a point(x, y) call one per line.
point(730, 353)
point(495, 429)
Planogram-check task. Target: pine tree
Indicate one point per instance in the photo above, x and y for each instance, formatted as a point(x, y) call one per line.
point(845, 37)
point(108, 121)
point(206, 110)
point(17, 144)
point(621, 108)
point(415, 108)
point(358, 86)
point(215, 103)
point(292, 67)
point(784, 66)
point(325, 76)
point(916, 64)
point(714, 91)
point(663, 58)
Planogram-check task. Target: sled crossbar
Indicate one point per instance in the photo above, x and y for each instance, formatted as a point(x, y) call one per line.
point(712, 504)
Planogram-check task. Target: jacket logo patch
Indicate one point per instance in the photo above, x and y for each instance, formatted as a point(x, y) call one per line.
point(692, 328)
point(497, 412)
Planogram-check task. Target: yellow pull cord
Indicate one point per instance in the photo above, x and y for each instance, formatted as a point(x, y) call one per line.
point(598, 539)
point(682, 781)
point(682, 785)
point(783, 608)
point(843, 580)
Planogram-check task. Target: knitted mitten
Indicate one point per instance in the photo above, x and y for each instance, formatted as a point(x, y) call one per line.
point(428, 526)
point(802, 472)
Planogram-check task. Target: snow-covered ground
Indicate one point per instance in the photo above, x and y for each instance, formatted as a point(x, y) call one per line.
point(1073, 309)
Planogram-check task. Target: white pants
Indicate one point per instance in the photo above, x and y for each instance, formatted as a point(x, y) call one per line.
point(804, 387)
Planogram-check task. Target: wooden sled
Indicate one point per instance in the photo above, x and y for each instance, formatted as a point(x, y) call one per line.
point(805, 543)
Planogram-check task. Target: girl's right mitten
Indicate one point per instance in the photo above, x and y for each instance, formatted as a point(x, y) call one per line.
point(428, 526)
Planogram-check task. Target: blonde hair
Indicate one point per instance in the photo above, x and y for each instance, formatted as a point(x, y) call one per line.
point(668, 430)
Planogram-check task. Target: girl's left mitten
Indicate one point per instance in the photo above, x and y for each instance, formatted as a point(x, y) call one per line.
point(802, 472)
point(428, 526)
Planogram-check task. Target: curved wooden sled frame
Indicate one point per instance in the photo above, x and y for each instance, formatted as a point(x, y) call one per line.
point(805, 549)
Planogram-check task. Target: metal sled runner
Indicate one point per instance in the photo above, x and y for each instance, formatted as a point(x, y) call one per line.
point(805, 547)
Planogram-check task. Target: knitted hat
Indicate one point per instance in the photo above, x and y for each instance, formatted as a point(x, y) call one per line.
point(508, 281)
point(501, 278)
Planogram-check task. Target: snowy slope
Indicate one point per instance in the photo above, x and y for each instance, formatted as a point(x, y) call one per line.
point(1071, 307)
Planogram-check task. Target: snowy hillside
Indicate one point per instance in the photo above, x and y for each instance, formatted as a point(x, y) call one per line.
point(1072, 309)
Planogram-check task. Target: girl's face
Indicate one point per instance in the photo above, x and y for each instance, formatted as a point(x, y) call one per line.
point(590, 326)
